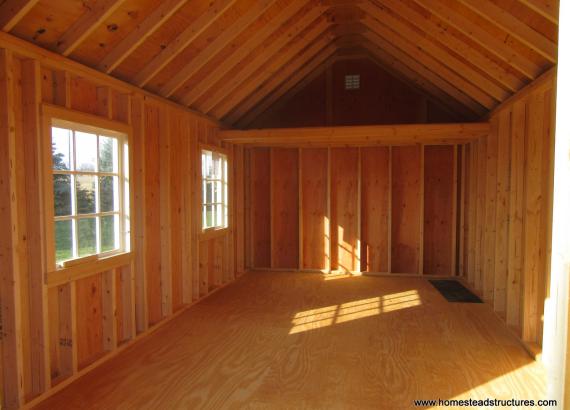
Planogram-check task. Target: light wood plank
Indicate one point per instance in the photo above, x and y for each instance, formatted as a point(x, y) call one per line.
point(484, 39)
point(458, 95)
point(166, 274)
point(229, 34)
point(478, 86)
point(481, 212)
point(514, 27)
point(546, 8)
point(142, 31)
point(86, 24)
point(439, 30)
point(31, 99)
point(10, 291)
point(516, 215)
point(434, 64)
point(190, 33)
point(502, 217)
point(489, 238)
point(242, 52)
point(290, 44)
point(533, 247)
point(292, 74)
point(411, 133)
point(12, 11)
point(473, 189)
point(110, 314)
point(415, 80)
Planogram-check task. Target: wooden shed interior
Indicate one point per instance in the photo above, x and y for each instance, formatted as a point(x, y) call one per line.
point(307, 165)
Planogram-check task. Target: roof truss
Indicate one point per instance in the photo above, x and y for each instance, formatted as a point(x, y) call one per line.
point(468, 55)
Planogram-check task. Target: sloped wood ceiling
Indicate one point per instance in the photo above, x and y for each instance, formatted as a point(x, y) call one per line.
point(232, 59)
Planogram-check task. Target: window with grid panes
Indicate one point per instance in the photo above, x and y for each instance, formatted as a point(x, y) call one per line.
point(214, 190)
point(88, 187)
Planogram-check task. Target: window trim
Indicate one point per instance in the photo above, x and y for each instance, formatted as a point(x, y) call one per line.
point(207, 233)
point(79, 121)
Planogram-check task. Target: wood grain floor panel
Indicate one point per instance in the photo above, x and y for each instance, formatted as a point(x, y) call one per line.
point(304, 341)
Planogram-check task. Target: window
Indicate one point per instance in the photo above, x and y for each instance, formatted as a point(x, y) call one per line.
point(214, 190)
point(352, 82)
point(88, 191)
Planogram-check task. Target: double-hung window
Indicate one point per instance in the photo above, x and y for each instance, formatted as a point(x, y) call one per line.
point(214, 190)
point(89, 172)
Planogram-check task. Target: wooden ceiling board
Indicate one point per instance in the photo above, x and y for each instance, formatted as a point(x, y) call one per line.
point(233, 58)
point(270, 67)
point(309, 18)
point(200, 44)
point(164, 35)
point(455, 42)
point(47, 21)
point(254, 33)
point(322, 45)
point(112, 30)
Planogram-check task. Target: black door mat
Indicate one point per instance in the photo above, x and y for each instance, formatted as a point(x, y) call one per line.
point(454, 291)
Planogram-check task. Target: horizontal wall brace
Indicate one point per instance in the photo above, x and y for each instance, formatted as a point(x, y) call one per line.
point(360, 135)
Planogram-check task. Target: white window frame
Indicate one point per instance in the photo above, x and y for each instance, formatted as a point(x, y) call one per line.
point(80, 122)
point(224, 180)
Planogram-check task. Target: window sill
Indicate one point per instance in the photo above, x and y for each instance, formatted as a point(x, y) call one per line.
point(87, 268)
point(213, 233)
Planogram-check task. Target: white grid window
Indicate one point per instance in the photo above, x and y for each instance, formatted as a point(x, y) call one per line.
point(88, 189)
point(214, 190)
point(352, 82)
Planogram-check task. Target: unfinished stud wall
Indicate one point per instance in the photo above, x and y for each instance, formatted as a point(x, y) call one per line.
point(389, 209)
point(57, 324)
point(507, 200)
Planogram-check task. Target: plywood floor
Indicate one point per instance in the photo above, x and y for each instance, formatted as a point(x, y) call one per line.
point(298, 341)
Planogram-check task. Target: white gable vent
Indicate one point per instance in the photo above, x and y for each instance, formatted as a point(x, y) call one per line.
point(352, 82)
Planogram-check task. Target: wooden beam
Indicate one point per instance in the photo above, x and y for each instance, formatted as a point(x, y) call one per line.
point(440, 31)
point(548, 9)
point(295, 90)
point(68, 67)
point(35, 218)
point(12, 11)
point(10, 280)
point(87, 24)
point(532, 247)
point(542, 82)
point(408, 44)
point(293, 65)
point(515, 262)
point(415, 81)
point(422, 208)
point(496, 46)
point(374, 134)
point(477, 85)
point(197, 27)
point(258, 85)
point(454, 271)
point(269, 60)
point(503, 191)
point(139, 207)
point(165, 147)
point(514, 27)
point(293, 76)
point(142, 31)
point(419, 68)
point(488, 248)
point(225, 38)
point(242, 52)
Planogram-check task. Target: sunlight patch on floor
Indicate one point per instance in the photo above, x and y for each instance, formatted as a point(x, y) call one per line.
point(349, 311)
